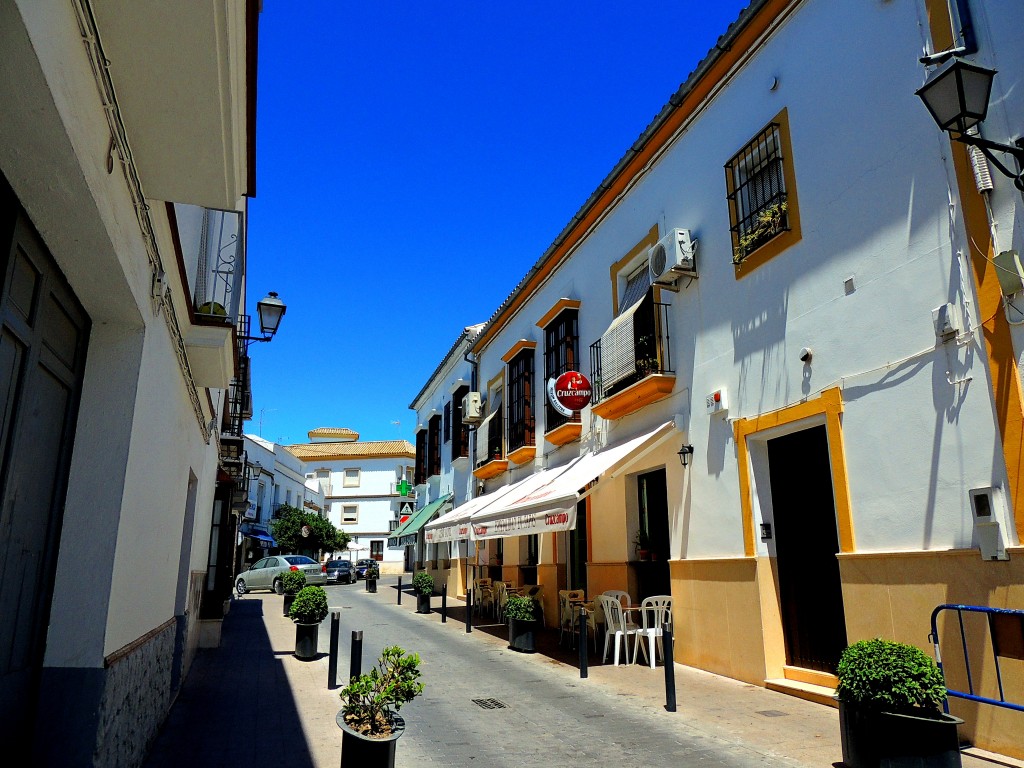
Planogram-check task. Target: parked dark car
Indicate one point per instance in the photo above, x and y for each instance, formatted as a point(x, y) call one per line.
point(362, 565)
point(341, 571)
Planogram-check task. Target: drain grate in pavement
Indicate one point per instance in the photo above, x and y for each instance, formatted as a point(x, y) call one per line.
point(490, 703)
point(772, 713)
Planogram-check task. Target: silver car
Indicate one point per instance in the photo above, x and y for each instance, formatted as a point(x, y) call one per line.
point(266, 573)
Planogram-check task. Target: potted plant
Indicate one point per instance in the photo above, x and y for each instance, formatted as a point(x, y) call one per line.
point(368, 718)
point(643, 544)
point(372, 574)
point(423, 586)
point(522, 623)
point(292, 581)
point(308, 609)
point(890, 697)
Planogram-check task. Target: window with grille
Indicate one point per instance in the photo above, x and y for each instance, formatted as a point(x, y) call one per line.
point(561, 354)
point(762, 202)
point(447, 431)
point(420, 476)
point(434, 446)
point(460, 431)
point(520, 400)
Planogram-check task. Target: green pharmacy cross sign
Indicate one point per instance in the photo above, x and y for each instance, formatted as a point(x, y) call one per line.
point(404, 487)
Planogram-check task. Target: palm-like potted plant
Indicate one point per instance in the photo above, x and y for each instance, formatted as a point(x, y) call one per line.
point(292, 581)
point(522, 613)
point(369, 717)
point(372, 574)
point(423, 586)
point(890, 706)
point(308, 609)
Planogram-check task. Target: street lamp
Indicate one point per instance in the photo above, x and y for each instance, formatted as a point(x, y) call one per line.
point(956, 95)
point(270, 310)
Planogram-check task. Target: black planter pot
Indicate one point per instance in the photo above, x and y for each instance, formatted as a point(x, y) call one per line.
point(874, 739)
point(288, 600)
point(422, 603)
point(305, 641)
point(371, 585)
point(359, 751)
point(521, 635)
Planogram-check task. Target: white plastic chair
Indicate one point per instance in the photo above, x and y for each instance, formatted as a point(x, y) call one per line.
point(623, 597)
point(617, 626)
point(655, 612)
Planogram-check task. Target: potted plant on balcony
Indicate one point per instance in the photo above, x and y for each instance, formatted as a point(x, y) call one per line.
point(522, 623)
point(368, 718)
point(292, 581)
point(372, 574)
point(890, 697)
point(423, 586)
point(308, 609)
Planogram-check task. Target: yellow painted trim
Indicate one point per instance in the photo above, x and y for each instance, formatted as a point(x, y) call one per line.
point(829, 404)
point(518, 347)
point(1003, 372)
point(649, 241)
point(716, 74)
point(522, 455)
point(491, 469)
point(566, 433)
point(648, 390)
point(784, 240)
point(812, 676)
point(560, 306)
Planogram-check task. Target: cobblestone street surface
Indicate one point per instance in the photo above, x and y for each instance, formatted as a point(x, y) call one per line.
point(251, 703)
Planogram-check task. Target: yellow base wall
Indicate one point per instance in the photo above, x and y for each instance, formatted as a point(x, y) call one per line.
point(893, 594)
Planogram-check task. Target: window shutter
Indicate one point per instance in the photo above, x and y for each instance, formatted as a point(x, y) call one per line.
point(618, 355)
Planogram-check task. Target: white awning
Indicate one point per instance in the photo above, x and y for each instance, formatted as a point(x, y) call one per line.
point(550, 505)
point(454, 525)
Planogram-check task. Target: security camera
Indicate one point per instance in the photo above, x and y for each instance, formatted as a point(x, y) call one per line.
point(805, 354)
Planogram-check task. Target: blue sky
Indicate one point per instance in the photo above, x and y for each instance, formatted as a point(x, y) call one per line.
point(414, 160)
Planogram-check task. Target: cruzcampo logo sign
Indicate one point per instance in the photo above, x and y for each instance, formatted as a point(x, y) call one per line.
point(569, 392)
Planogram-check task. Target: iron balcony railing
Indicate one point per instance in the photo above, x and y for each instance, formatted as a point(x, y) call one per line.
point(651, 352)
point(220, 266)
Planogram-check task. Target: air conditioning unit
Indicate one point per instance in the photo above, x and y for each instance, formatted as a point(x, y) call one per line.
point(674, 256)
point(472, 408)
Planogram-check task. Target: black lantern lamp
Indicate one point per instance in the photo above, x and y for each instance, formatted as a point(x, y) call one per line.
point(270, 310)
point(957, 94)
point(684, 453)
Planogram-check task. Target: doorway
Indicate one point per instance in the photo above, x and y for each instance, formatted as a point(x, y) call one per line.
point(806, 544)
point(578, 549)
point(652, 519)
point(43, 338)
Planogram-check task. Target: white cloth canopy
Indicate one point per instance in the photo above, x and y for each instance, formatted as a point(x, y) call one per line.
point(454, 525)
point(355, 546)
point(549, 504)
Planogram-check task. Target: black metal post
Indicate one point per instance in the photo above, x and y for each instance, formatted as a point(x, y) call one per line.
point(444, 603)
point(332, 661)
point(355, 667)
point(469, 610)
point(399, 590)
point(670, 667)
point(583, 642)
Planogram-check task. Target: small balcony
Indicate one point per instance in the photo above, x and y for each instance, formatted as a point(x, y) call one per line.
point(637, 371)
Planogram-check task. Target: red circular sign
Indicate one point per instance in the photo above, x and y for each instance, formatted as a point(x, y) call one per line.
point(572, 391)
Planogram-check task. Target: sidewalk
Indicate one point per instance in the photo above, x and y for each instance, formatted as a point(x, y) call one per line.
point(251, 703)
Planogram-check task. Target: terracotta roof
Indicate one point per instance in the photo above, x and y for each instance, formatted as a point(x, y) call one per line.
point(341, 433)
point(371, 449)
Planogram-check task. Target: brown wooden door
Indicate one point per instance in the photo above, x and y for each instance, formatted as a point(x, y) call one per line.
point(806, 544)
point(43, 334)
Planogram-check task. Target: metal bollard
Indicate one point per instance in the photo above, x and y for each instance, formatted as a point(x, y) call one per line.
point(444, 603)
point(670, 667)
point(583, 642)
point(399, 590)
point(332, 661)
point(469, 611)
point(355, 668)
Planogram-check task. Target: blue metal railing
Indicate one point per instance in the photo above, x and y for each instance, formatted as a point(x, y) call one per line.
point(1006, 636)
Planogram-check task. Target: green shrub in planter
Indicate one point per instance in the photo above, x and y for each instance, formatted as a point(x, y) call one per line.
point(521, 608)
point(310, 606)
point(370, 700)
point(373, 571)
point(293, 582)
point(890, 676)
point(423, 583)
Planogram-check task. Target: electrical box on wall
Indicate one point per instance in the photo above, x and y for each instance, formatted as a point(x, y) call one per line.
point(946, 320)
point(716, 402)
point(984, 506)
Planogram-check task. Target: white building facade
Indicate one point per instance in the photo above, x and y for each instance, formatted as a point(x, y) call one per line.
point(824, 342)
point(360, 482)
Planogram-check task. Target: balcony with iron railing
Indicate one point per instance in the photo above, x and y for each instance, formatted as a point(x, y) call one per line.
point(636, 372)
